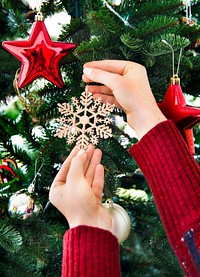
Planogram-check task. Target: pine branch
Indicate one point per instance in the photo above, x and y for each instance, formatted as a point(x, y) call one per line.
point(103, 22)
point(112, 152)
point(76, 32)
point(159, 7)
point(157, 48)
point(152, 27)
point(132, 42)
point(193, 34)
point(12, 5)
point(49, 7)
point(10, 239)
point(98, 48)
point(18, 24)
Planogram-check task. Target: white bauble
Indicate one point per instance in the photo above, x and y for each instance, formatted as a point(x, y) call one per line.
point(22, 204)
point(121, 224)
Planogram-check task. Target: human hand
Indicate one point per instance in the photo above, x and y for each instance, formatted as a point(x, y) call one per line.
point(77, 189)
point(127, 86)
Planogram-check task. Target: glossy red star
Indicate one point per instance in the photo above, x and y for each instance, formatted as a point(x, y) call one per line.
point(39, 55)
point(174, 107)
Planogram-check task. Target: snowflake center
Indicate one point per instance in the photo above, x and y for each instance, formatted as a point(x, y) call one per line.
point(84, 119)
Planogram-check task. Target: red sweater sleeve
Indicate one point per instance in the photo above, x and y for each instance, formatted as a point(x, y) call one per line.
point(174, 178)
point(90, 252)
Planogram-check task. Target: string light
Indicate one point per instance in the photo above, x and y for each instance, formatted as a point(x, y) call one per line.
point(126, 23)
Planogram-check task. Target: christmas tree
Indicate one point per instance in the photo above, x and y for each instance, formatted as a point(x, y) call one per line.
point(31, 154)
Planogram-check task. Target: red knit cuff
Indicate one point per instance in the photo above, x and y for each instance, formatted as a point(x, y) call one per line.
point(90, 251)
point(173, 176)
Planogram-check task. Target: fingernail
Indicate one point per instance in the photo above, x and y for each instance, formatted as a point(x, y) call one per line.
point(81, 152)
point(87, 70)
point(86, 88)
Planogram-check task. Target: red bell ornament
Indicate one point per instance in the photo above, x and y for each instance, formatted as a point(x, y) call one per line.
point(174, 107)
point(39, 55)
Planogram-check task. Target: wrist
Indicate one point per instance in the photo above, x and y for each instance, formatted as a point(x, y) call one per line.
point(104, 223)
point(145, 122)
point(90, 224)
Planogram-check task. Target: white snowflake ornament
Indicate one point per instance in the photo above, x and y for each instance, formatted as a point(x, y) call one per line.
point(85, 120)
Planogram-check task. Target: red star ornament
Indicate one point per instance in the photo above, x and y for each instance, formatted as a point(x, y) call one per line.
point(39, 55)
point(174, 107)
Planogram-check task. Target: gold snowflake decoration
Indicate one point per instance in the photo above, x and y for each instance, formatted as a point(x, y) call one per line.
point(85, 120)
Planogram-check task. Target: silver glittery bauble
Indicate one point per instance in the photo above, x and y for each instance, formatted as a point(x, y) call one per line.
point(22, 204)
point(121, 224)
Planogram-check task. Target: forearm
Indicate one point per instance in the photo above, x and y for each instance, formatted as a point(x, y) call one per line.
point(174, 178)
point(91, 252)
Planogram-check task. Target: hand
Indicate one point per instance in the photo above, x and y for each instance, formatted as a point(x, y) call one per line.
point(127, 86)
point(77, 189)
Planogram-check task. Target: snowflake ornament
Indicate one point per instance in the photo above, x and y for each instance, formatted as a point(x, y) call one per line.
point(85, 120)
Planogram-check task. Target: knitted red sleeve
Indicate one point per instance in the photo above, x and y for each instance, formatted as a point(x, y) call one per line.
point(174, 178)
point(90, 252)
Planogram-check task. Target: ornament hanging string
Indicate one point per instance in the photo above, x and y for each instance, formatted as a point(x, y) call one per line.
point(173, 62)
point(31, 103)
point(31, 187)
point(179, 60)
point(38, 5)
point(17, 89)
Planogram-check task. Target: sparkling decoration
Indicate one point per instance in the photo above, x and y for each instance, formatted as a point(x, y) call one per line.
point(7, 170)
point(84, 121)
point(39, 55)
point(22, 204)
point(188, 12)
point(174, 107)
point(121, 224)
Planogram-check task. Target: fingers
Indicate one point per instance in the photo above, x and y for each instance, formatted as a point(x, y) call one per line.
point(108, 72)
point(80, 164)
point(60, 178)
point(107, 78)
point(77, 168)
point(95, 160)
point(104, 93)
point(98, 182)
point(99, 89)
point(113, 66)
